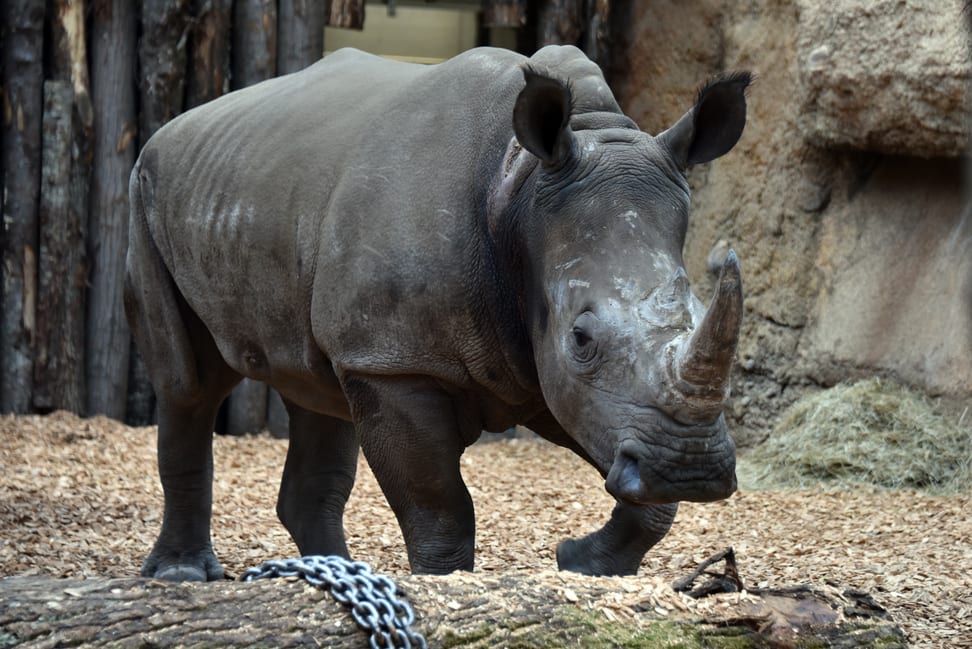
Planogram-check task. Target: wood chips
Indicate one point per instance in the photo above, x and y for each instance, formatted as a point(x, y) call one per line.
point(81, 498)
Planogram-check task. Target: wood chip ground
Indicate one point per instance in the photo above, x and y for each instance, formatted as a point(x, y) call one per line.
point(81, 498)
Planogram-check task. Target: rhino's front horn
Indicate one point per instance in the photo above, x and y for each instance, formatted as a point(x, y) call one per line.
point(702, 364)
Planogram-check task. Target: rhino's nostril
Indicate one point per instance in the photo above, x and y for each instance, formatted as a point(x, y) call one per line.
point(624, 479)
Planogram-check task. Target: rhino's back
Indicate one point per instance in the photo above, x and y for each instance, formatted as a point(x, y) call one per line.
point(335, 215)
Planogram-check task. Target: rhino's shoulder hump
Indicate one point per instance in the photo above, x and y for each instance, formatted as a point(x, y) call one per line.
point(590, 90)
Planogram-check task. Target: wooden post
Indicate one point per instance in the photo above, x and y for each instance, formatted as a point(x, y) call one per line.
point(254, 56)
point(576, 22)
point(59, 344)
point(254, 50)
point(59, 378)
point(162, 76)
point(349, 14)
point(21, 104)
point(114, 28)
point(209, 51)
point(300, 34)
point(504, 13)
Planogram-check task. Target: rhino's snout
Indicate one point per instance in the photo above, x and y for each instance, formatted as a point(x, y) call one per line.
point(637, 479)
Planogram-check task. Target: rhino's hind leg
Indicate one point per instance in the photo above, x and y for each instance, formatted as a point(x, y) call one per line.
point(184, 551)
point(322, 459)
point(190, 379)
point(411, 437)
point(619, 546)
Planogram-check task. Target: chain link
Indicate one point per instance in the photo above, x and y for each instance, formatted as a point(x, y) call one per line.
point(373, 599)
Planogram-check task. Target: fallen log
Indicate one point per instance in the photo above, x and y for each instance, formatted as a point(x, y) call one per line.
point(470, 610)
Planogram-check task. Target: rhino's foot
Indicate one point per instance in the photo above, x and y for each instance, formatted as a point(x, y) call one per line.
point(587, 557)
point(200, 565)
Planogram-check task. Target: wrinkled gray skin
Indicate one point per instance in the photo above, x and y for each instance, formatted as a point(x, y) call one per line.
point(414, 254)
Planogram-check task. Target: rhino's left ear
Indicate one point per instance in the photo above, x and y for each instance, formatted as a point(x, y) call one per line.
point(541, 117)
point(713, 126)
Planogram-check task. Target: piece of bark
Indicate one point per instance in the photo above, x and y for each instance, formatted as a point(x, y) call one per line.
point(113, 56)
point(209, 51)
point(22, 100)
point(471, 610)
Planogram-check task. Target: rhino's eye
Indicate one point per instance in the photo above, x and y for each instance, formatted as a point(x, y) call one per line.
point(581, 337)
point(583, 340)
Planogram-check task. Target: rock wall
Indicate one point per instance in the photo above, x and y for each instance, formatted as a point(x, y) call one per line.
point(844, 197)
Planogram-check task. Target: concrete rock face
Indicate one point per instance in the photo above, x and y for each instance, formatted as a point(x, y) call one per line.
point(854, 262)
point(890, 76)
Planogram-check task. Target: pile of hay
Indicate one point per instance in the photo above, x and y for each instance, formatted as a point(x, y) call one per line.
point(873, 432)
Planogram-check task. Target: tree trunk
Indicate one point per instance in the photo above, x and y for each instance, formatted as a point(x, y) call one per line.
point(59, 344)
point(254, 49)
point(300, 34)
point(59, 379)
point(22, 101)
point(115, 134)
point(583, 23)
point(209, 51)
point(349, 14)
point(246, 408)
point(162, 76)
point(162, 63)
point(504, 13)
point(469, 610)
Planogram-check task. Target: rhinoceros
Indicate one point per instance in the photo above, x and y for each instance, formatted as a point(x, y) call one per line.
point(414, 254)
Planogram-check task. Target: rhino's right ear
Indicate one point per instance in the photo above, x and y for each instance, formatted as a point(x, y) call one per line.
point(541, 117)
point(713, 125)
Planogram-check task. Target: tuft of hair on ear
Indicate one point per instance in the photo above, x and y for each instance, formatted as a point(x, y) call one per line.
point(531, 71)
point(741, 77)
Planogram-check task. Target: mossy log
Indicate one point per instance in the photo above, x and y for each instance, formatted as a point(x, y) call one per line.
point(546, 609)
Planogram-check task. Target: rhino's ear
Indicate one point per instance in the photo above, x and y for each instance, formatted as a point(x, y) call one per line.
point(541, 117)
point(713, 125)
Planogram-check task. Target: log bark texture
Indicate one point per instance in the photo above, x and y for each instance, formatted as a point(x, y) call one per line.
point(504, 13)
point(162, 85)
point(59, 363)
point(113, 57)
point(583, 23)
point(59, 344)
point(208, 75)
point(254, 49)
point(469, 610)
point(300, 34)
point(23, 51)
point(349, 14)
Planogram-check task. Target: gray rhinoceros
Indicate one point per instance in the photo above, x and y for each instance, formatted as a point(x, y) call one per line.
point(414, 254)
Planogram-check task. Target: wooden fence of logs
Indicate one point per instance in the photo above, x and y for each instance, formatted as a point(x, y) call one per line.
point(84, 84)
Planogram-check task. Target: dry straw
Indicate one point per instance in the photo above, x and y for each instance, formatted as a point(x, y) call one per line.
point(874, 432)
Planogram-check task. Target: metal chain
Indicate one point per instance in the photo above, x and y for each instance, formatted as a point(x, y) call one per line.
point(373, 599)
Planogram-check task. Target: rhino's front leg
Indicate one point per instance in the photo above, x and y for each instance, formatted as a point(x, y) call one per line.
point(184, 551)
point(619, 546)
point(410, 434)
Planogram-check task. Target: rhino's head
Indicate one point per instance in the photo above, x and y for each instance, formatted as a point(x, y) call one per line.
point(633, 366)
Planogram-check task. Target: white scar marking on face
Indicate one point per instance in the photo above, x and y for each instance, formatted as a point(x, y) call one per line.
point(575, 283)
point(567, 264)
point(631, 217)
point(589, 147)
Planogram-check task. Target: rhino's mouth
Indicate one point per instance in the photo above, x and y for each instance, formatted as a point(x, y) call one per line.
point(656, 475)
